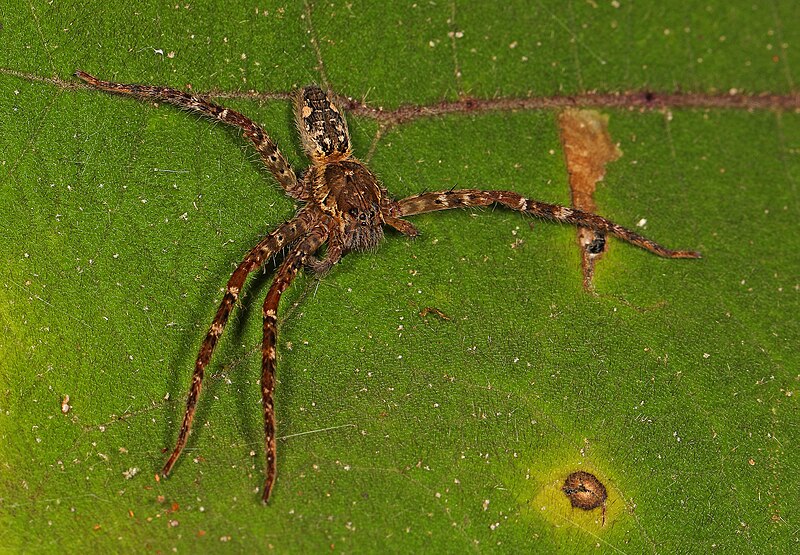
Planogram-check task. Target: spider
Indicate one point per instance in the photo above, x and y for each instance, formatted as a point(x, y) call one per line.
point(344, 207)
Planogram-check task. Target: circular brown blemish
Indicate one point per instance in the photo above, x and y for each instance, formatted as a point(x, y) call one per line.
point(585, 491)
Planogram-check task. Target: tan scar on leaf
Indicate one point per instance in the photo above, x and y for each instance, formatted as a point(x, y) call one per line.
point(588, 148)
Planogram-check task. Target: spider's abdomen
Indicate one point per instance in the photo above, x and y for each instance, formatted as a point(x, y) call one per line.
point(322, 126)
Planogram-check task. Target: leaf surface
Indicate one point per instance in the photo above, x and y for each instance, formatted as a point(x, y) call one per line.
point(676, 383)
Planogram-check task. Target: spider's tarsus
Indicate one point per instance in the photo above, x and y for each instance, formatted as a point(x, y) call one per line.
point(666, 253)
point(265, 497)
point(80, 74)
point(167, 468)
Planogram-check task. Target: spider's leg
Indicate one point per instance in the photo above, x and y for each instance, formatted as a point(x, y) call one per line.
point(270, 154)
point(259, 254)
point(286, 273)
point(464, 198)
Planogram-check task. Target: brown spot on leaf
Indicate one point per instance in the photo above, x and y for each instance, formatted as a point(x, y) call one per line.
point(585, 491)
point(588, 148)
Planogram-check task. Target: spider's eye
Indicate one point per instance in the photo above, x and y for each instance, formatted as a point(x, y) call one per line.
point(353, 212)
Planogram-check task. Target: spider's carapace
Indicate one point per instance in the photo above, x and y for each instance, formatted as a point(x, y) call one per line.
point(349, 193)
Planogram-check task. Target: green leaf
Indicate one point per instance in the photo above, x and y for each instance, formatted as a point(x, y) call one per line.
point(676, 383)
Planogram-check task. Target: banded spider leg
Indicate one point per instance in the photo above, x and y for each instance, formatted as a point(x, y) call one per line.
point(288, 270)
point(266, 147)
point(465, 198)
point(258, 255)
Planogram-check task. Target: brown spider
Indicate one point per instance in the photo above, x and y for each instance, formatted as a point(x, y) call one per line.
point(344, 206)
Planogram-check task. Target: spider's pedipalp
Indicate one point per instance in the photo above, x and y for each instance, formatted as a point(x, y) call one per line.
point(465, 198)
point(403, 226)
point(335, 251)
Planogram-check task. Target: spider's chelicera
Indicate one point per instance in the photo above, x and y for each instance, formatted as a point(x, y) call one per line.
point(344, 206)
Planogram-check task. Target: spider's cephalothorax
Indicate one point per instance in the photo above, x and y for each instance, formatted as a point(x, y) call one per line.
point(349, 192)
point(344, 208)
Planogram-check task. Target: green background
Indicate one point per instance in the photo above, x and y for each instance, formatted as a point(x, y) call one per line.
point(676, 384)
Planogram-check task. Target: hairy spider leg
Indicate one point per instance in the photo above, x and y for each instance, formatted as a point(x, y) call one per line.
point(465, 198)
point(270, 154)
point(288, 270)
point(267, 247)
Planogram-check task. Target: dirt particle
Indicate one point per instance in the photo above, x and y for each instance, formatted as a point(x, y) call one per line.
point(130, 473)
point(596, 245)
